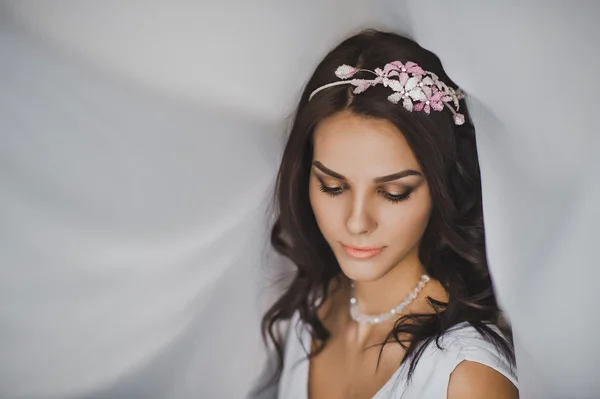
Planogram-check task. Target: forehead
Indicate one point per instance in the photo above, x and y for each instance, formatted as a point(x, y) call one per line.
point(352, 144)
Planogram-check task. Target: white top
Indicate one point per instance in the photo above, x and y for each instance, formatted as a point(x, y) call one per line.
point(431, 375)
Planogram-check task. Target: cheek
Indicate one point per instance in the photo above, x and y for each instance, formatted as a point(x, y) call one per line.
point(325, 210)
point(407, 223)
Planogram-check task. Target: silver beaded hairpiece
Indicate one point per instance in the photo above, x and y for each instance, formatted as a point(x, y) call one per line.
point(419, 90)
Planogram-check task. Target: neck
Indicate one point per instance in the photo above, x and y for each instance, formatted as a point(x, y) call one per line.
point(384, 294)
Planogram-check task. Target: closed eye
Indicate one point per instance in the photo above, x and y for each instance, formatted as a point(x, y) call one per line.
point(332, 191)
point(395, 198)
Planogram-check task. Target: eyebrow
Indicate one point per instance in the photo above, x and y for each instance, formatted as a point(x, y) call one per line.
point(382, 179)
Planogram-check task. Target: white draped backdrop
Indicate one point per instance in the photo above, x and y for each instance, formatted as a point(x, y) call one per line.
point(139, 142)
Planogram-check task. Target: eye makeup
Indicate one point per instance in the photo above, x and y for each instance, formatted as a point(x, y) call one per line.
point(336, 190)
point(395, 198)
point(331, 191)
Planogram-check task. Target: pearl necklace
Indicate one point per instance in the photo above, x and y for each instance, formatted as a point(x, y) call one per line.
point(380, 318)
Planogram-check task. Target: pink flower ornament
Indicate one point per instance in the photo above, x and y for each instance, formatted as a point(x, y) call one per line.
point(435, 99)
point(417, 89)
point(345, 71)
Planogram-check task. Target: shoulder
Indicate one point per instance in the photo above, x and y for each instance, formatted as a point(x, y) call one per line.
point(471, 379)
point(478, 368)
point(464, 365)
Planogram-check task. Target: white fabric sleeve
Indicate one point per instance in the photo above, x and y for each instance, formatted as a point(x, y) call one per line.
point(432, 374)
point(470, 345)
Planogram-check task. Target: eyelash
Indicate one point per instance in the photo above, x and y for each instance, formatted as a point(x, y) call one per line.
point(395, 198)
point(335, 191)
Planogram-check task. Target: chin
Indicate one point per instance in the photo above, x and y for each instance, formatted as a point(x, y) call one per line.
point(363, 271)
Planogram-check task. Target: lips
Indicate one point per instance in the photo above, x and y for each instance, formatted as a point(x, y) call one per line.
point(362, 252)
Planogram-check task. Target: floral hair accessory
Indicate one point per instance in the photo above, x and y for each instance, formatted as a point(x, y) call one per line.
point(417, 89)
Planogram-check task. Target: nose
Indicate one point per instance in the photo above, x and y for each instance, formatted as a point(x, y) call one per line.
point(360, 220)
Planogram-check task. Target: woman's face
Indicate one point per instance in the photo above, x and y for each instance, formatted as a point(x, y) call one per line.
point(368, 193)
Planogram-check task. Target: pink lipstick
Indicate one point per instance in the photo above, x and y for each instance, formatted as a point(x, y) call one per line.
point(362, 252)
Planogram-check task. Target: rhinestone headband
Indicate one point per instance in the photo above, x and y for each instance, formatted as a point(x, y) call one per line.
point(419, 90)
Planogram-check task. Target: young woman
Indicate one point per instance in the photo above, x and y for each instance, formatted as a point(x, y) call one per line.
point(379, 201)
